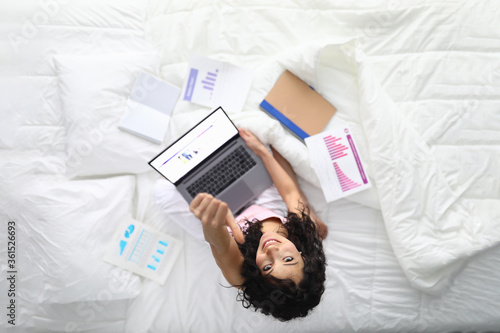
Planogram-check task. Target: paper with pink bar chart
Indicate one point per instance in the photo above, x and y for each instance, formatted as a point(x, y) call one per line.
point(338, 164)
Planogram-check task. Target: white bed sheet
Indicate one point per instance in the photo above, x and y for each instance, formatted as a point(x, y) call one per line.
point(438, 63)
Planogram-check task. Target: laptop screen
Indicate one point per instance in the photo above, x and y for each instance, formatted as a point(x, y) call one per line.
point(195, 146)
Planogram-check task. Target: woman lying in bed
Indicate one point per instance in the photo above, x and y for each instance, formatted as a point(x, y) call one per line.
point(277, 262)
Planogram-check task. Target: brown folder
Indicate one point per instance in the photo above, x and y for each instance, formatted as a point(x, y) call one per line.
point(298, 106)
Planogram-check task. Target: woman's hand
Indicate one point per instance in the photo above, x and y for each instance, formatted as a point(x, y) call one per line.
point(215, 216)
point(253, 143)
point(322, 228)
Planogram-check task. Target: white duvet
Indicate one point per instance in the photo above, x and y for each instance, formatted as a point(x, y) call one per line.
point(416, 82)
point(432, 222)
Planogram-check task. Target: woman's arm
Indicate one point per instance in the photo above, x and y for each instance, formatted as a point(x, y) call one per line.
point(284, 179)
point(289, 170)
point(215, 216)
point(287, 188)
point(323, 229)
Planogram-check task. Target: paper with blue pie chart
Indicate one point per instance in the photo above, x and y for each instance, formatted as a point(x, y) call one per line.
point(143, 250)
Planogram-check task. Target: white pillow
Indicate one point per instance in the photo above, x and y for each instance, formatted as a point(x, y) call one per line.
point(93, 92)
point(64, 228)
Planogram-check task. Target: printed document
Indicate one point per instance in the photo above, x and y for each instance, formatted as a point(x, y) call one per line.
point(215, 83)
point(337, 163)
point(143, 250)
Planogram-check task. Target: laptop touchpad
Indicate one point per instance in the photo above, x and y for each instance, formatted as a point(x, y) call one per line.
point(237, 196)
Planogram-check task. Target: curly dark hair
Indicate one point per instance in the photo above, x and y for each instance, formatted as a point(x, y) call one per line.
point(282, 298)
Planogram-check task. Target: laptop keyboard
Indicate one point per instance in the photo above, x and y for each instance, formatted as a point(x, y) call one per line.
point(223, 174)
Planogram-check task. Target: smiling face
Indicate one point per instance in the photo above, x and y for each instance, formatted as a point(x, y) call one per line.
point(279, 257)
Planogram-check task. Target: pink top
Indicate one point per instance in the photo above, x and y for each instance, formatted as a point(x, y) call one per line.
point(255, 212)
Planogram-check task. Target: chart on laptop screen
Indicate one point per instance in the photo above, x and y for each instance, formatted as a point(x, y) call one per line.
point(195, 146)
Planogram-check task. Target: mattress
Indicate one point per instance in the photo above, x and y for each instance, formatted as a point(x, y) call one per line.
point(416, 82)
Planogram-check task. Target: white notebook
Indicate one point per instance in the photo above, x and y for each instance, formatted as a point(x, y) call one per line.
point(148, 108)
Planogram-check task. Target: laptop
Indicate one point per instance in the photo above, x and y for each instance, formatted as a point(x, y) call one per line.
point(212, 158)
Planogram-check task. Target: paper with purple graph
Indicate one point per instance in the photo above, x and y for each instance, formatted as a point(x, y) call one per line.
point(337, 163)
point(215, 83)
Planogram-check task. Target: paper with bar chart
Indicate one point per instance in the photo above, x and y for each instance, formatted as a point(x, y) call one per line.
point(143, 250)
point(337, 163)
point(215, 83)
